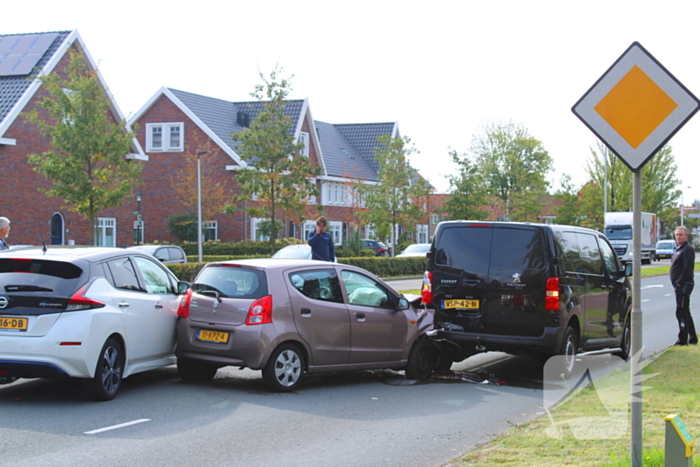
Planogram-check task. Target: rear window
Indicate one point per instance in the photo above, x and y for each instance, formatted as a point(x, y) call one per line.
point(465, 248)
point(38, 275)
point(233, 282)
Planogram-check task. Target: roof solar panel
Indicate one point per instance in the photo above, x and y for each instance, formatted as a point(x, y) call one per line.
point(20, 54)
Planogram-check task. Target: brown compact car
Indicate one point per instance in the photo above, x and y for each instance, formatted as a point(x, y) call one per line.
point(291, 317)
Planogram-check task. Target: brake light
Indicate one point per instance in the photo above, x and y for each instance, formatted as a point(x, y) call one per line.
point(551, 298)
point(260, 311)
point(183, 311)
point(80, 302)
point(426, 292)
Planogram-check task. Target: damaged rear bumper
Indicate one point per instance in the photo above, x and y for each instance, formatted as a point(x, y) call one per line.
point(548, 342)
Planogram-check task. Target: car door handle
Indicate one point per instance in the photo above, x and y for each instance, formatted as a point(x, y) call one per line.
point(305, 312)
point(159, 305)
point(360, 316)
point(123, 305)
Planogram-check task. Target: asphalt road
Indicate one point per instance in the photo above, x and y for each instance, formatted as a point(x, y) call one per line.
point(360, 419)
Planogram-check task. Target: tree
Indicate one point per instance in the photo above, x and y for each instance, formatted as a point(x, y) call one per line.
point(399, 194)
point(659, 181)
point(568, 203)
point(281, 180)
point(514, 166)
point(467, 191)
point(87, 166)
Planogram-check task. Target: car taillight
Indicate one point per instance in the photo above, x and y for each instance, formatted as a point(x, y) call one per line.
point(183, 311)
point(426, 292)
point(80, 302)
point(551, 298)
point(260, 311)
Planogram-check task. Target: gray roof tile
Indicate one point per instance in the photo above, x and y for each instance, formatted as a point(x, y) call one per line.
point(13, 87)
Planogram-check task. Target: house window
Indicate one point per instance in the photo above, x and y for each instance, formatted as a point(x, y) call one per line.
point(209, 230)
point(335, 228)
point(369, 232)
point(434, 219)
point(138, 232)
point(422, 233)
point(309, 226)
point(166, 137)
point(335, 194)
point(304, 139)
point(106, 231)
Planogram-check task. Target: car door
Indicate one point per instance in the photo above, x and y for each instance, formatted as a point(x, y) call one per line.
point(595, 301)
point(378, 330)
point(146, 297)
point(616, 286)
point(320, 314)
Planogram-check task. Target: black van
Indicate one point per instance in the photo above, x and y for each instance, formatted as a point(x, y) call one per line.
point(526, 288)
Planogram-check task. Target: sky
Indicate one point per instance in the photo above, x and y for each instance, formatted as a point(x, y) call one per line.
point(443, 69)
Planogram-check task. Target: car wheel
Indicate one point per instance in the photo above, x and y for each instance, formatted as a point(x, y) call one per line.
point(284, 369)
point(192, 371)
point(626, 342)
point(568, 350)
point(108, 373)
point(420, 360)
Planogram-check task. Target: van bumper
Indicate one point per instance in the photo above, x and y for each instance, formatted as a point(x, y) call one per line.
point(548, 342)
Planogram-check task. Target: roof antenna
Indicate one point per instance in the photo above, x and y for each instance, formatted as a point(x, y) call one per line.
point(43, 240)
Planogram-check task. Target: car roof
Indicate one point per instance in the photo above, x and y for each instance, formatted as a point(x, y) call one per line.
point(65, 253)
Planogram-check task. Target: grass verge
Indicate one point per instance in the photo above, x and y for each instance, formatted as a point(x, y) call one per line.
point(673, 391)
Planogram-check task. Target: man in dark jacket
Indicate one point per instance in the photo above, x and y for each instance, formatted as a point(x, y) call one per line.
point(321, 242)
point(683, 279)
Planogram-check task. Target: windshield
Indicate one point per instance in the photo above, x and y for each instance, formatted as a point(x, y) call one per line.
point(417, 248)
point(665, 246)
point(301, 252)
point(619, 233)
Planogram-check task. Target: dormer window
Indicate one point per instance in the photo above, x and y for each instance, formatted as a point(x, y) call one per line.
point(165, 137)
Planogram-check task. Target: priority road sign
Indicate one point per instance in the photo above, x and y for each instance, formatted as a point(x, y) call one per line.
point(636, 106)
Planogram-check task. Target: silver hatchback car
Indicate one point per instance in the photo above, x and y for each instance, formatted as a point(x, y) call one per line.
point(291, 317)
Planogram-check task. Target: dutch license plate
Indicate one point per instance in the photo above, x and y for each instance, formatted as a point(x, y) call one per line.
point(14, 324)
point(463, 304)
point(212, 336)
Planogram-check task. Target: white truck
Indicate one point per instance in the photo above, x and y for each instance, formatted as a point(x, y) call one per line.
point(618, 229)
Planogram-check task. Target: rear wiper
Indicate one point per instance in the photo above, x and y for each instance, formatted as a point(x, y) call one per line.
point(26, 288)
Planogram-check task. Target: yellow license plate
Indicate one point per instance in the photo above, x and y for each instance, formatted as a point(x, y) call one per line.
point(464, 304)
point(15, 324)
point(212, 336)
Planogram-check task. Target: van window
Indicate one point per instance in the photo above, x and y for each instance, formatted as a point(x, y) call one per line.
point(590, 255)
point(609, 258)
point(568, 251)
point(465, 248)
point(517, 249)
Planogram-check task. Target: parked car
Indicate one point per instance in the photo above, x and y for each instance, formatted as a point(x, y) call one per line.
point(292, 317)
point(665, 249)
point(527, 288)
point(416, 249)
point(165, 253)
point(101, 314)
point(294, 252)
point(379, 248)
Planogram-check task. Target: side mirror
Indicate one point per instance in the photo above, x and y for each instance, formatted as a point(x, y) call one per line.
point(182, 287)
point(403, 304)
point(628, 269)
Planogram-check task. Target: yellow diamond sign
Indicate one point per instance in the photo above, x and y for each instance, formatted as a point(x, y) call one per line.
point(636, 107)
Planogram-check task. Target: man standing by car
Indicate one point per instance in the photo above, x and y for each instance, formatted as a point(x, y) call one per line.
point(321, 242)
point(683, 280)
point(4, 232)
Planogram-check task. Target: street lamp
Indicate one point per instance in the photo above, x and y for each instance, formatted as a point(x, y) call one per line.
point(199, 205)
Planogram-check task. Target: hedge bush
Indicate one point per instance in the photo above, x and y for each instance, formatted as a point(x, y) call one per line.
point(381, 267)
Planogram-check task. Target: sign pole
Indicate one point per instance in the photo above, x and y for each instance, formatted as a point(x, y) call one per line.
point(636, 326)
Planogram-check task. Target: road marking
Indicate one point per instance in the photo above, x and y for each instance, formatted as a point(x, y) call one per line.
point(667, 295)
point(115, 427)
point(645, 300)
point(652, 286)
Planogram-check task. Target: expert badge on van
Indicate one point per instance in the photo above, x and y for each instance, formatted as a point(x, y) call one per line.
point(526, 288)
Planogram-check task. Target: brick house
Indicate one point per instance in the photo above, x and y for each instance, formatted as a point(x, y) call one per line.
point(175, 125)
point(35, 217)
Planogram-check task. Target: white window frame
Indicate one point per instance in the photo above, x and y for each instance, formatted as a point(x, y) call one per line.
point(212, 228)
point(434, 219)
point(335, 228)
point(141, 232)
point(304, 139)
point(369, 232)
point(167, 144)
point(104, 224)
point(309, 226)
point(422, 233)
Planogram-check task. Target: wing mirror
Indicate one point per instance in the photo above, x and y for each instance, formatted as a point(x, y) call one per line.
point(403, 304)
point(182, 287)
point(628, 269)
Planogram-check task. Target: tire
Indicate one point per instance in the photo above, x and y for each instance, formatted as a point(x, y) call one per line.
point(569, 347)
point(108, 372)
point(192, 371)
point(420, 360)
point(284, 369)
point(626, 342)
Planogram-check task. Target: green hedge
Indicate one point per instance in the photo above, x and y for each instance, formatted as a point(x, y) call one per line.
point(382, 267)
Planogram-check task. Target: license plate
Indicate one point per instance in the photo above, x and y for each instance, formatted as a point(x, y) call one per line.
point(212, 336)
point(14, 324)
point(464, 304)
